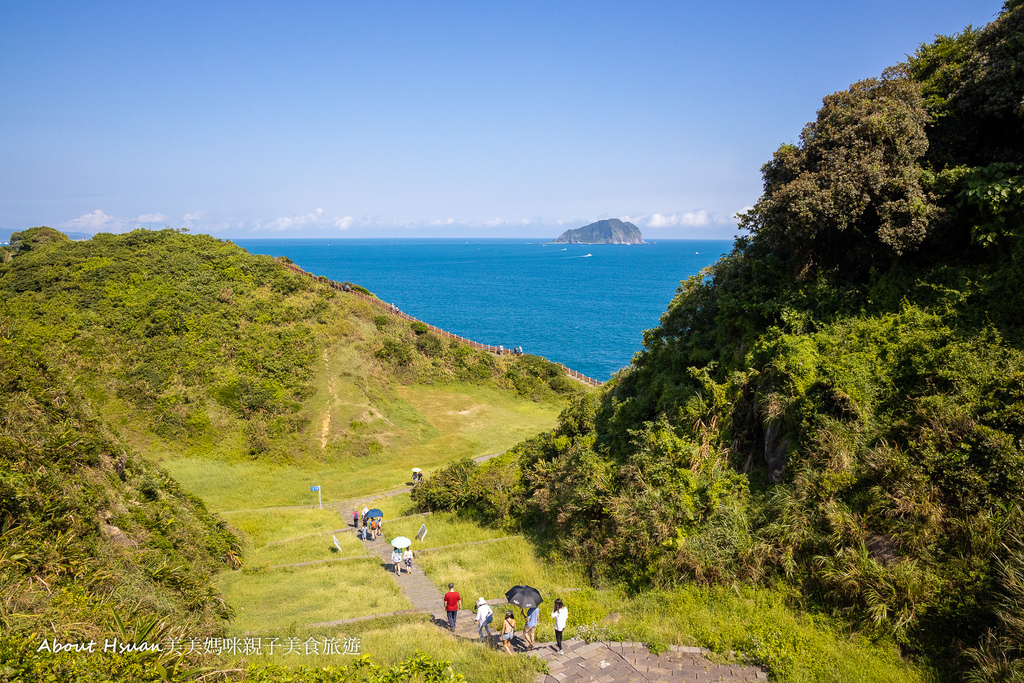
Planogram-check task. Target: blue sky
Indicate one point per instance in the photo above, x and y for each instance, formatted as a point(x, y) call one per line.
point(422, 119)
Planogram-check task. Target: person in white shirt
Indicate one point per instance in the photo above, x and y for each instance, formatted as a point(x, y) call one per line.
point(484, 617)
point(396, 559)
point(561, 616)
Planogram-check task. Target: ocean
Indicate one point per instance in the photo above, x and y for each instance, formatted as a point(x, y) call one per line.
point(583, 305)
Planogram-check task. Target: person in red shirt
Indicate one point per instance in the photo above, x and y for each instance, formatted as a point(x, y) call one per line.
point(452, 603)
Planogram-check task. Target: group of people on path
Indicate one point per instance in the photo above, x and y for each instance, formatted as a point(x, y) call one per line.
point(371, 528)
point(485, 617)
point(515, 351)
point(401, 560)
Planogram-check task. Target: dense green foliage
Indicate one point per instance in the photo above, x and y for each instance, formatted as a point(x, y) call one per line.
point(838, 403)
point(169, 323)
point(414, 354)
point(91, 536)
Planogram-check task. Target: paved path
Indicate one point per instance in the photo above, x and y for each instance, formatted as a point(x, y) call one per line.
point(422, 593)
point(628, 662)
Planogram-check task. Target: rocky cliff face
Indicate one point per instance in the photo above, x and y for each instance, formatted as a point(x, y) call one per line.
point(611, 231)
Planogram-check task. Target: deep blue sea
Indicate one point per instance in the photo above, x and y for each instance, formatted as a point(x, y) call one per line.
point(584, 305)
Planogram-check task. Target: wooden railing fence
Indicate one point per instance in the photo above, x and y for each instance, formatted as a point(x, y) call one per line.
point(392, 309)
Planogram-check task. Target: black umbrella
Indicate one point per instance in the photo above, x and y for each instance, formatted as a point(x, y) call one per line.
point(524, 597)
point(374, 513)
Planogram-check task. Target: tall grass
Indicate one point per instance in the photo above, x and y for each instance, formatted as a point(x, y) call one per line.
point(793, 645)
point(267, 526)
point(392, 506)
point(389, 641)
point(279, 599)
point(311, 548)
point(443, 528)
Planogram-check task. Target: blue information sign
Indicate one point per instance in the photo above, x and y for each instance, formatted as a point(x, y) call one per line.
point(314, 488)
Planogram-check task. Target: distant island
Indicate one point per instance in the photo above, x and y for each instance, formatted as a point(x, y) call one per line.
point(612, 231)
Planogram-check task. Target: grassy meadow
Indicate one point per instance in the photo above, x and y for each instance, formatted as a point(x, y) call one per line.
point(280, 600)
point(431, 427)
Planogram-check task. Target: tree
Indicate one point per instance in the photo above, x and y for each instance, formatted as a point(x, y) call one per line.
point(850, 193)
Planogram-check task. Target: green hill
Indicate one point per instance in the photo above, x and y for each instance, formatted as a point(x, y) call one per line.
point(836, 405)
point(612, 231)
point(151, 377)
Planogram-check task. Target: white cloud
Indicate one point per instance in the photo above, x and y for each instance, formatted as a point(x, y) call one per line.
point(293, 222)
point(151, 218)
point(343, 223)
point(688, 219)
point(193, 216)
point(92, 221)
point(449, 221)
point(493, 223)
point(741, 211)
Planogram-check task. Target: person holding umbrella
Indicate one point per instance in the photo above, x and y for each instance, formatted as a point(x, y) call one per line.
point(530, 632)
point(525, 598)
point(398, 544)
point(376, 520)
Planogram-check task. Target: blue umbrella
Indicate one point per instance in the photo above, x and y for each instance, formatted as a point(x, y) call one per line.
point(374, 514)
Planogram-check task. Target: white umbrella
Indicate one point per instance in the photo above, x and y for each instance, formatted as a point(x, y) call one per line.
point(401, 542)
point(416, 469)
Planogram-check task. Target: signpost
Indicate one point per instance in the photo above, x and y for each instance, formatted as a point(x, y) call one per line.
point(336, 544)
point(318, 496)
point(422, 533)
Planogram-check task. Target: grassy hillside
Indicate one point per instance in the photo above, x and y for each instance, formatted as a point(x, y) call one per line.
point(95, 542)
point(837, 404)
point(153, 376)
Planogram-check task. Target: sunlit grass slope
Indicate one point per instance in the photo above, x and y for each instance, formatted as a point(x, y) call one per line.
point(424, 427)
point(279, 599)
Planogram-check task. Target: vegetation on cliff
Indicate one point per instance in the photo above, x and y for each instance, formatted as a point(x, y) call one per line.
point(95, 542)
point(836, 404)
point(612, 231)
